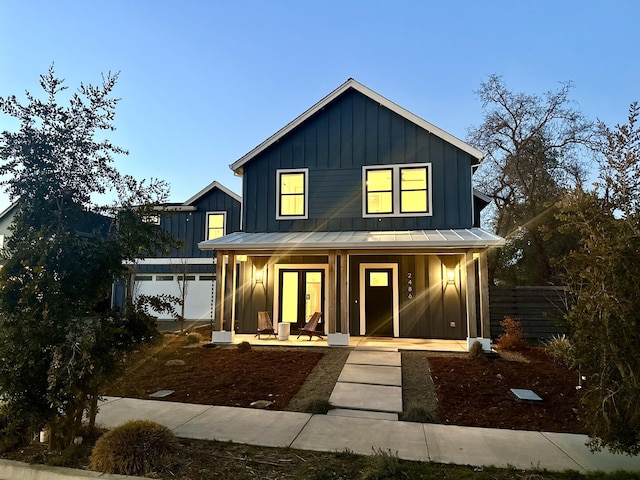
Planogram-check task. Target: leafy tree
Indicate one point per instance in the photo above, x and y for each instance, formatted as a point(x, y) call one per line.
point(602, 274)
point(531, 143)
point(59, 340)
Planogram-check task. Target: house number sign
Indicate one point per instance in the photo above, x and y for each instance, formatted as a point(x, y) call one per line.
point(409, 285)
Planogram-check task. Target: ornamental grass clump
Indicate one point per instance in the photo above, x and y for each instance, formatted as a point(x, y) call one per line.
point(138, 447)
point(193, 338)
point(561, 349)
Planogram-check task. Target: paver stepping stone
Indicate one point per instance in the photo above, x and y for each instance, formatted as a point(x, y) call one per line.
point(371, 374)
point(359, 396)
point(369, 357)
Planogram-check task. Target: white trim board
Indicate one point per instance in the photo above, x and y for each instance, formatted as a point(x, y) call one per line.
point(173, 261)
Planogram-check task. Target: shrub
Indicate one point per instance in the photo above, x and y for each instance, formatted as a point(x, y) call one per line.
point(476, 350)
point(418, 413)
point(14, 431)
point(561, 349)
point(244, 347)
point(317, 405)
point(137, 447)
point(192, 338)
point(382, 464)
point(513, 336)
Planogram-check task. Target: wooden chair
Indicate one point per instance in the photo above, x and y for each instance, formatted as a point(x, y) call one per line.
point(310, 326)
point(265, 326)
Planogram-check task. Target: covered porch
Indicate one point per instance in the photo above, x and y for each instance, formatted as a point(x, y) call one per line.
point(364, 343)
point(434, 283)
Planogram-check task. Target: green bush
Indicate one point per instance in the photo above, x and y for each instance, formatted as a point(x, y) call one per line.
point(14, 431)
point(244, 347)
point(193, 338)
point(137, 447)
point(561, 349)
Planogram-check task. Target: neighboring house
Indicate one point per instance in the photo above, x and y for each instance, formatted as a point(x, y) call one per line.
point(188, 271)
point(365, 212)
point(6, 219)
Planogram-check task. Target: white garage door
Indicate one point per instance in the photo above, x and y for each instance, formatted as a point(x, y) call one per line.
point(198, 294)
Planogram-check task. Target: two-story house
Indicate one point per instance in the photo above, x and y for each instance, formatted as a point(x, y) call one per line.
point(187, 272)
point(365, 212)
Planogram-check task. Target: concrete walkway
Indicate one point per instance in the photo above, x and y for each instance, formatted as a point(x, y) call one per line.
point(369, 386)
point(411, 441)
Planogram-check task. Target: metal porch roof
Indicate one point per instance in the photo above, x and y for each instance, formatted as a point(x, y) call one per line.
point(394, 240)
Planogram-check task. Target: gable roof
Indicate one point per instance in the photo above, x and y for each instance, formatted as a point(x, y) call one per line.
point(351, 83)
point(210, 187)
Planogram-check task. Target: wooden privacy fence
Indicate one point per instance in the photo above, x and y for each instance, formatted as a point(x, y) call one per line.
point(540, 309)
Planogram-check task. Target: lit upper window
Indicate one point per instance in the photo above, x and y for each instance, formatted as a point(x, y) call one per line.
point(379, 184)
point(396, 190)
point(215, 225)
point(291, 194)
point(413, 190)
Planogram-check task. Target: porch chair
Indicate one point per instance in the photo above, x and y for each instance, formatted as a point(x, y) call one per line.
point(265, 326)
point(310, 326)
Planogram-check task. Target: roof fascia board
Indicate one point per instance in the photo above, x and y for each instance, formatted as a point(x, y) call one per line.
point(8, 210)
point(175, 208)
point(210, 187)
point(351, 83)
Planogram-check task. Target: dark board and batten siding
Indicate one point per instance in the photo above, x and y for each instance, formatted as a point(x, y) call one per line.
point(540, 309)
point(190, 226)
point(334, 145)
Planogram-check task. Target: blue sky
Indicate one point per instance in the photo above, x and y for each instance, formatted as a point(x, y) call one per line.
point(203, 82)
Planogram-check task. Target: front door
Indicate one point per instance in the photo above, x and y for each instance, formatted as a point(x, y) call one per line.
point(301, 295)
point(378, 310)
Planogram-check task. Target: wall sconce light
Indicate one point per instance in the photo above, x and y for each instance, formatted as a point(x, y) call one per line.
point(259, 276)
point(451, 276)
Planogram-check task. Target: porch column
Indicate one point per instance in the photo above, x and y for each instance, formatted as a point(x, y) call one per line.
point(469, 262)
point(219, 308)
point(331, 314)
point(230, 291)
point(485, 319)
point(344, 293)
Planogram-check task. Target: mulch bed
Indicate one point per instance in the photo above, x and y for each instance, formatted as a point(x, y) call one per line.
point(475, 392)
point(218, 376)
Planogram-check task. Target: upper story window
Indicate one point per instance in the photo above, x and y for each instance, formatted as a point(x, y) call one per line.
point(292, 194)
point(215, 225)
point(396, 190)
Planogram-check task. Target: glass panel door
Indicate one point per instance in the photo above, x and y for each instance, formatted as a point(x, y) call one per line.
point(313, 294)
point(289, 293)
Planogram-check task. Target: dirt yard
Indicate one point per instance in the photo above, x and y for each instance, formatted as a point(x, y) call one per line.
point(472, 392)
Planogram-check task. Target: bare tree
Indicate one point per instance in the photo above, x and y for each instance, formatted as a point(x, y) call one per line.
point(533, 151)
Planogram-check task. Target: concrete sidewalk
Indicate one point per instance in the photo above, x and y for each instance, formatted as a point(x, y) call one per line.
point(411, 441)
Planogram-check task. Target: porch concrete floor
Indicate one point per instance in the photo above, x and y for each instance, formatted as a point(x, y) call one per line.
point(361, 343)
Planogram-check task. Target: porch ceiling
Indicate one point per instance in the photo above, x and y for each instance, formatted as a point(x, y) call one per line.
point(396, 240)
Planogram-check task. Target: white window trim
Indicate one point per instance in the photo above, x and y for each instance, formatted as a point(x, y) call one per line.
point(396, 190)
point(206, 223)
point(305, 215)
point(300, 266)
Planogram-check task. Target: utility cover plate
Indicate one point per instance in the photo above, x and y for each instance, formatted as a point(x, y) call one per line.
point(524, 395)
point(161, 394)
